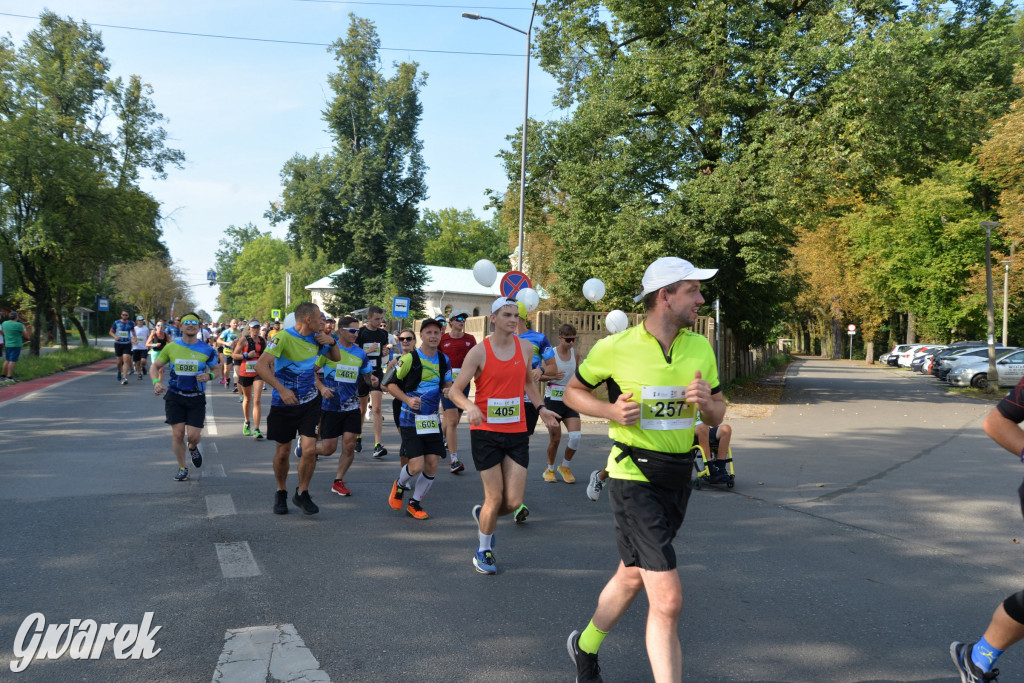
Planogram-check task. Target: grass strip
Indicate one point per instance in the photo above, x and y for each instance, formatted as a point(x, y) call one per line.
point(44, 365)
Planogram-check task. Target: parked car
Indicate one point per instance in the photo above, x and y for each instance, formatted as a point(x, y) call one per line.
point(922, 357)
point(894, 355)
point(974, 373)
point(905, 357)
point(941, 357)
point(951, 363)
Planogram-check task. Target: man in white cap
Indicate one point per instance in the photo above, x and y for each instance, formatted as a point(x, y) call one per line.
point(659, 374)
point(500, 369)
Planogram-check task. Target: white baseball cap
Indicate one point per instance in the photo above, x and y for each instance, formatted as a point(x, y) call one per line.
point(501, 302)
point(668, 270)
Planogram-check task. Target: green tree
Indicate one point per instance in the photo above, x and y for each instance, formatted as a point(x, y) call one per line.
point(458, 239)
point(711, 130)
point(70, 205)
point(231, 245)
point(357, 205)
point(151, 287)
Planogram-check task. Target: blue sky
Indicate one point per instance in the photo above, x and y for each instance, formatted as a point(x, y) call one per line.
point(240, 109)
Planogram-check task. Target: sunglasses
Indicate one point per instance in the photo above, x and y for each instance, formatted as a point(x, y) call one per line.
point(459, 319)
point(406, 339)
point(569, 340)
point(351, 330)
point(124, 315)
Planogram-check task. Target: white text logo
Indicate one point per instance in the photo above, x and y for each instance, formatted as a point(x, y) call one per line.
point(81, 639)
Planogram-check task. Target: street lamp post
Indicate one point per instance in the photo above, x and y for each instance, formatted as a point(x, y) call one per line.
point(993, 376)
point(1006, 287)
point(526, 110)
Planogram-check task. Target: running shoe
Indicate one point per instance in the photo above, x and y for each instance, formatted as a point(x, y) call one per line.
point(395, 499)
point(257, 434)
point(182, 474)
point(483, 561)
point(197, 457)
point(235, 391)
point(221, 381)
point(549, 475)
point(522, 512)
point(413, 509)
point(595, 486)
point(566, 474)
point(304, 502)
point(968, 670)
point(281, 503)
point(246, 430)
point(124, 380)
point(140, 375)
point(379, 451)
point(457, 466)
point(297, 452)
point(340, 488)
point(119, 376)
point(359, 444)
point(587, 669)
point(239, 398)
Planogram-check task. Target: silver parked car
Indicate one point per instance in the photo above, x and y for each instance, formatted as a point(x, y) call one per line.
point(974, 373)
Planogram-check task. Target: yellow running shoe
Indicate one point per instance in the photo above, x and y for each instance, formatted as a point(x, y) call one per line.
point(549, 475)
point(566, 475)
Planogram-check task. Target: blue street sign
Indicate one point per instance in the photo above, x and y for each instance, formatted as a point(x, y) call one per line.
point(211, 275)
point(400, 307)
point(103, 304)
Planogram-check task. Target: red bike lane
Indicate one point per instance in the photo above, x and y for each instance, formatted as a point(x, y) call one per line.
point(14, 392)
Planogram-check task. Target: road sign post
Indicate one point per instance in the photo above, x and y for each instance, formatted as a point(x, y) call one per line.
point(513, 282)
point(851, 330)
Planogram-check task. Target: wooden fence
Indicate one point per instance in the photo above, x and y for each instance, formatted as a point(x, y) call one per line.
point(733, 360)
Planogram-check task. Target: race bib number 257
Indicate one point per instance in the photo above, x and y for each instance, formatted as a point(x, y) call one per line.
point(665, 408)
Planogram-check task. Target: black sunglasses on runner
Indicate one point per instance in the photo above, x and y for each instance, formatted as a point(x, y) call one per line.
point(569, 340)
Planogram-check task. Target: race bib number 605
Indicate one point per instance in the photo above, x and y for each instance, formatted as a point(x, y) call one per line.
point(665, 408)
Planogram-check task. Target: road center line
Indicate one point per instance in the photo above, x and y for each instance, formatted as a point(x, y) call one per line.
point(220, 505)
point(236, 560)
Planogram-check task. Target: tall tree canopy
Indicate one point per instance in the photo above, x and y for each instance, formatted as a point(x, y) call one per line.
point(713, 130)
point(357, 205)
point(73, 143)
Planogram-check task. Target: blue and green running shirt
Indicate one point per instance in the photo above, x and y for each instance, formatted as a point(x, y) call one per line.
point(185, 361)
point(341, 378)
point(542, 350)
point(428, 390)
point(295, 364)
point(123, 329)
point(632, 362)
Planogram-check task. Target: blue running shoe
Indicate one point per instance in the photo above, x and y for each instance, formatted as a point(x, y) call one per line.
point(298, 451)
point(483, 561)
point(968, 670)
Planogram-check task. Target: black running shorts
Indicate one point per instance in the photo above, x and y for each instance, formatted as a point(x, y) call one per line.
point(333, 424)
point(532, 414)
point(122, 349)
point(416, 445)
point(363, 386)
point(560, 409)
point(490, 448)
point(188, 409)
point(284, 421)
point(647, 518)
point(139, 354)
point(244, 381)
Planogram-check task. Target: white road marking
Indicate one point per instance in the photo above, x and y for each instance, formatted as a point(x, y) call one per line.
point(211, 424)
point(236, 560)
point(215, 470)
point(220, 505)
point(253, 653)
point(213, 446)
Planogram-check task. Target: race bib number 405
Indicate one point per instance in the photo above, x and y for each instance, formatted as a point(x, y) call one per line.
point(665, 408)
point(503, 410)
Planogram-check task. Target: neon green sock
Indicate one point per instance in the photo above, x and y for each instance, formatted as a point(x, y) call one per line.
point(591, 639)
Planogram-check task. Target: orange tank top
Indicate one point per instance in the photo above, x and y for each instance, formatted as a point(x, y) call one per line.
point(499, 392)
point(255, 347)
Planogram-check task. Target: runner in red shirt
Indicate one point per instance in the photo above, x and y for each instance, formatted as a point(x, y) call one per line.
point(455, 344)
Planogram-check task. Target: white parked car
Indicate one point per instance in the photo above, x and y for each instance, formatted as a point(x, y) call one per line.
point(907, 355)
point(974, 372)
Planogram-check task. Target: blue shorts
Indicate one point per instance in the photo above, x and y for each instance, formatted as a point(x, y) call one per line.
point(448, 405)
point(11, 353)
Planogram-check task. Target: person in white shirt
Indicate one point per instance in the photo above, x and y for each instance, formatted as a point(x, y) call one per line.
point(140, 334)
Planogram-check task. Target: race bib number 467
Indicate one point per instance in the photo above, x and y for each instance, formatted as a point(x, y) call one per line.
point(665, 408)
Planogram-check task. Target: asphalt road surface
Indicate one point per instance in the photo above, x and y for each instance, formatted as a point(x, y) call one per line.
point(872, 523)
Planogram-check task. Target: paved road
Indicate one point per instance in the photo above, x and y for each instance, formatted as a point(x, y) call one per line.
point(872, 522)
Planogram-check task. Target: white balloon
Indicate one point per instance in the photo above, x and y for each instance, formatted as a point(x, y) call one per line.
point(616, 321)
point(485, 272)
point(529, 297)
point(593, 289)
point(289, 321)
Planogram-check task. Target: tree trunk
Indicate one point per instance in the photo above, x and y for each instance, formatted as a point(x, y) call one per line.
point(38, 327)
point(837, 339)
point(869, 350)
point(911, 328)
point(82, 334)
point(61, 333)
